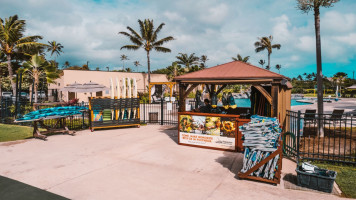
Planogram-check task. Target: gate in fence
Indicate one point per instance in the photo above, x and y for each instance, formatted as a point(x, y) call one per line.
point(163, 113)
point(335, 143)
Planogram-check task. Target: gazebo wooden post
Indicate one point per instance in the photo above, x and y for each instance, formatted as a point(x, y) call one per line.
point(274, 94)
point(182, 88)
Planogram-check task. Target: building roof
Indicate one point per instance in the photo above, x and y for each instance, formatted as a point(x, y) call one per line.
point(235, 70)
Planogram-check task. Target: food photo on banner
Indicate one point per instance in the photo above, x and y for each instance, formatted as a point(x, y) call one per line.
point(207, 131)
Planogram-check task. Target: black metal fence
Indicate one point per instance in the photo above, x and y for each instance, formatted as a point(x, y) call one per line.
point(163, 113)
point(335, 141)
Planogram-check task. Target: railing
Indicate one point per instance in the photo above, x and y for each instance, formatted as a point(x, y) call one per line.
point(335, 141)
point(163, 113)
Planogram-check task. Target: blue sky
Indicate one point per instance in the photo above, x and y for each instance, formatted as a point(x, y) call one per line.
point(216, 28)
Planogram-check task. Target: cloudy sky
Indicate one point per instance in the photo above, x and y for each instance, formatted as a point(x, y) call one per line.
point(220, 29)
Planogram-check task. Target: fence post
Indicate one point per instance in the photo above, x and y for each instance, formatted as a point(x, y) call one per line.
point(161, 111)
point(144, 112)
point(298, 135)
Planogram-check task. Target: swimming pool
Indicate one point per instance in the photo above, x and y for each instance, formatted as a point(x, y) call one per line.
point(247, 103)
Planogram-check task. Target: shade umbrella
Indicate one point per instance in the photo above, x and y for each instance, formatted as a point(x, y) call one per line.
point(70, 87)
point(353, 87)
point(91, 87)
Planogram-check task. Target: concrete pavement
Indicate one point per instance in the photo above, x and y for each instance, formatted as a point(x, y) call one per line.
point(135, 163)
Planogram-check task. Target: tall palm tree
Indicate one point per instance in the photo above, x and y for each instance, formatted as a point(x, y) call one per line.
point(240, 58)
point(38, 67)
point(13, 41)
point(123, 57)
point(137, 64)
point(55, 48)
point(265, 43)
point(66, 64)
point(203, 60)
point(186, 60)
point(262, 62)
point(306, 6)
point(278, 67)
point(147, 40)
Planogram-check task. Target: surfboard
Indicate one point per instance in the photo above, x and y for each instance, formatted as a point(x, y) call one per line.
point(123, 96)
point(129, 95)
point(118, 96)
point(134, 95)
point(112, 95)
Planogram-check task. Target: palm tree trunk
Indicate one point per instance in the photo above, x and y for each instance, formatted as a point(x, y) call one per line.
point(36, 86)
point(149, 67)
point(11, 74)
point(319, 76)
point(269, 61)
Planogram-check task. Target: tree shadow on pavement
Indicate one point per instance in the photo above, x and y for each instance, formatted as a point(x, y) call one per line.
point(171, 132)
point(231, 161)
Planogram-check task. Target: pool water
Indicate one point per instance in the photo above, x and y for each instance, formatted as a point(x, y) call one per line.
point(247, 103)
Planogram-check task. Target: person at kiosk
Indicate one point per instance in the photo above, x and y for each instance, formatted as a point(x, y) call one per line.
point(206, 108)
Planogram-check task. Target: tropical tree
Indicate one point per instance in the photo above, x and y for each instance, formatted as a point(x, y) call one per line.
point(278, 67)
point(66, 64)
point(38, 67)
point(262, 62)
point(147, 39)
point(240, 58)
point(203, 60)
point(137, 64)
point(265, 43)
point(13, 41)
point(314, 5)
point(123, 57)
point(55, 48)
point(187, 61)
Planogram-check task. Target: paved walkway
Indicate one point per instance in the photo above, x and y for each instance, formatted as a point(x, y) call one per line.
point(135, 163)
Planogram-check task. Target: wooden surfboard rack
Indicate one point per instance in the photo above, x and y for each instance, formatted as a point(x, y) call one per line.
point(277, 177)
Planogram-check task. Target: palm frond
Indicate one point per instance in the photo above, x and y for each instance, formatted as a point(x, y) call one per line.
point(259, 49)
point(130, 47)
point(154, 35)
point(162, 49)
point(276, 46)
point(162, 41)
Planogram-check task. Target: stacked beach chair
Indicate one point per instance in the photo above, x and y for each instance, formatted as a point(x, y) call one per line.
point(263, 149)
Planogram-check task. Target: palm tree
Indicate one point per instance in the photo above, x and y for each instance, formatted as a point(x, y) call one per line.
point(240, 58)
point(66, 64)
point(306, 6)
point(186, 60)
point(265, 43)
point(147, 40)
point(38, 67)
point(55, 48)
point(278, 67)
point(262, 62)
point(137, 64)
point(123, 57)
point(12, 41)
point(203, 60)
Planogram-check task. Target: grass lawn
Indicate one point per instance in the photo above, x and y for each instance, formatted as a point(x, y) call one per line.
point(14, 132)
point(345, 179)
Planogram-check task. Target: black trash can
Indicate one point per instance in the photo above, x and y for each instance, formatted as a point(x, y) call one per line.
point(324, 183)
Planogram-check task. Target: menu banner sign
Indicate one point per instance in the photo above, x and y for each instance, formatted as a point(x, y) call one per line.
point(208, 131)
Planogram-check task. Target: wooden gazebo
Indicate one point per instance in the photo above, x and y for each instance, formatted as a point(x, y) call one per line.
point(273, 88)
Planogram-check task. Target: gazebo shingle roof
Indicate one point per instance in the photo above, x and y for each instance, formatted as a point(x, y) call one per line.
point(235, 70)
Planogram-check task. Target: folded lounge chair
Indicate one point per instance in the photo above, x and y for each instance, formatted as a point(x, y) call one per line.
point(310, 116)
point(336, 116)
